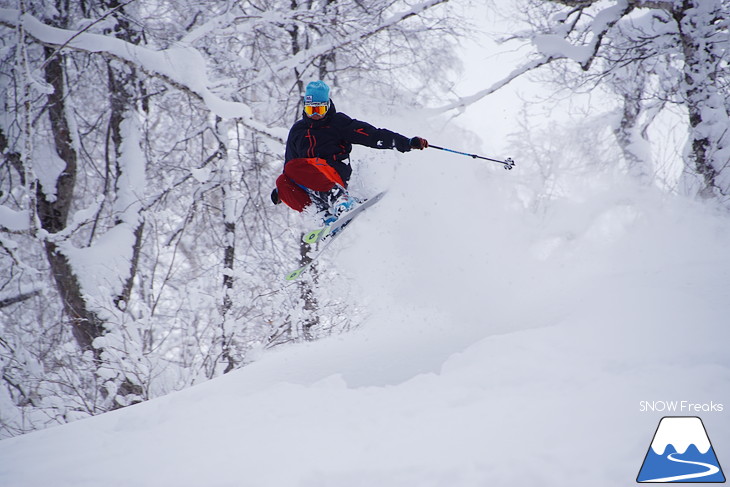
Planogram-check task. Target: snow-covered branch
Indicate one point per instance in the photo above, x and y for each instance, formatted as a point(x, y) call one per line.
point(181, 67)
point(558, 46)
point(555, 46)
point(648, 52)
point(464, 102)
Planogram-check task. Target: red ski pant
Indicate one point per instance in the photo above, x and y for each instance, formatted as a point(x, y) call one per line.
point(312, 173)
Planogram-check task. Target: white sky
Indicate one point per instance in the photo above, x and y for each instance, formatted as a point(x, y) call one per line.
point(485, 62)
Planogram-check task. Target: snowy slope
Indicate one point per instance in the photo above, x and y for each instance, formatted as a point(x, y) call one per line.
point(504, 347)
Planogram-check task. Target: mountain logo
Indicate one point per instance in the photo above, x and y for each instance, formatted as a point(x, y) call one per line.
point(681, 452)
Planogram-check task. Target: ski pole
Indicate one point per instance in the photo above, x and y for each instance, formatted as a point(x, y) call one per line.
point(508, 163)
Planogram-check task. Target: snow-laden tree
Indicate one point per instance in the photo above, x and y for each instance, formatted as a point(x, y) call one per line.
point(140, 141)
point(653, 55)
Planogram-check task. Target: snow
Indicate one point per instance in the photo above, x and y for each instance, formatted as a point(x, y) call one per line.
point(689, 430)
point(132, 181)
point(504, 347)
point(557, 46)
point(553, 45)
point(48, 168)
point(14, 221)
point(102, 266)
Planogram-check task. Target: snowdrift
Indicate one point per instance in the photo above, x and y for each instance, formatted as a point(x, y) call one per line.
point(503, 346)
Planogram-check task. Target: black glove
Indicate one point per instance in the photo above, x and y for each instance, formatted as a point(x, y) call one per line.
point(275, 197)
point(418, 143)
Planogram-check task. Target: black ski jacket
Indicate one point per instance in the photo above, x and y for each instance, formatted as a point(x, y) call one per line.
point(331, 139)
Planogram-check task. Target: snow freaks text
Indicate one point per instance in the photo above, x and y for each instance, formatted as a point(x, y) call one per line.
point(680, 407)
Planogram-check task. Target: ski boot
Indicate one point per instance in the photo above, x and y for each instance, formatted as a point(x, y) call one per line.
point(341, 205)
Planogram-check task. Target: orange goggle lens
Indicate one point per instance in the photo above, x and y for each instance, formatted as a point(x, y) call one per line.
point(316, 109)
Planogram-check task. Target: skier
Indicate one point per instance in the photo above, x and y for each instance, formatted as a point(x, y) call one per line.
point(316, 164)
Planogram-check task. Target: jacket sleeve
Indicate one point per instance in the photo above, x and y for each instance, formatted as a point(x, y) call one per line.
point(362, 133)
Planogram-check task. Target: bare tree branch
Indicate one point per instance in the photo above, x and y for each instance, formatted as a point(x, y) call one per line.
point(5, 302)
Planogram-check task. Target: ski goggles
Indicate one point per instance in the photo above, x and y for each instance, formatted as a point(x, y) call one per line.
point(316, 109)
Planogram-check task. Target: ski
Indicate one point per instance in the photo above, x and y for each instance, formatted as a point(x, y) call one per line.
point(327, 234)
point(294, 275)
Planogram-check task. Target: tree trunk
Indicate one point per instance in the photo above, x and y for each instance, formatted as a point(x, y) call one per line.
point(123, 93)
point(311, 304)
point(229, 251)
point(708, 117)
point(53, 211)
point(627, 133)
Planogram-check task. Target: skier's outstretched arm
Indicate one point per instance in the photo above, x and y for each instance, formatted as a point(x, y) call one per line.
point(362, 133)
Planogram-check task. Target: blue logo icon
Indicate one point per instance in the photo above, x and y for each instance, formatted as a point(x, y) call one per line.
point(681, 452)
